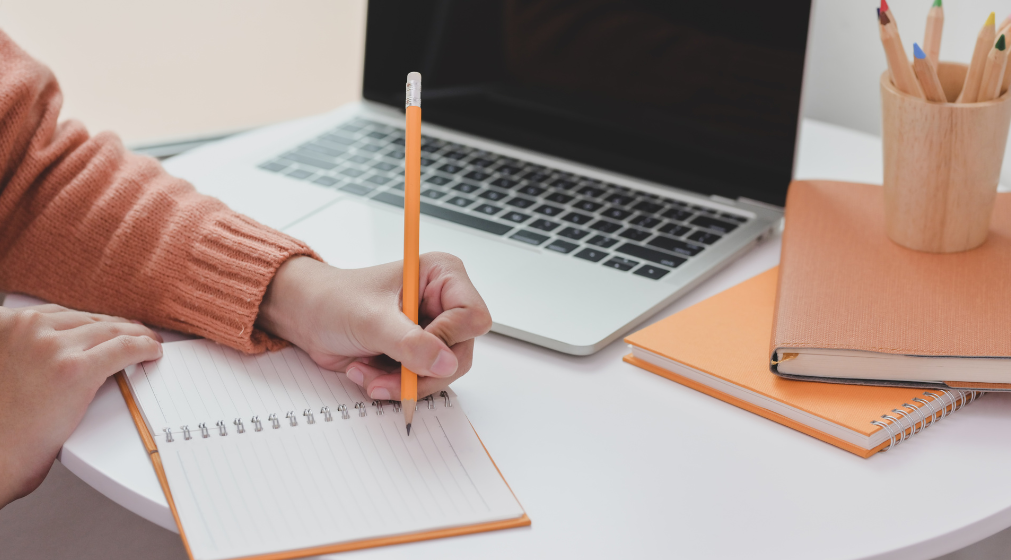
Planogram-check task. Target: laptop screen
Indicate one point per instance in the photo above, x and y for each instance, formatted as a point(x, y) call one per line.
point(704, 96)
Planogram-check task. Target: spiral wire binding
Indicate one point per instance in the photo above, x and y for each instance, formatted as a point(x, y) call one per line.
point(362, 408)
point(911, 418)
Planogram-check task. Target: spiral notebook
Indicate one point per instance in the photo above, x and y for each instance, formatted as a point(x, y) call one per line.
point(720, 347)
point(271, 457)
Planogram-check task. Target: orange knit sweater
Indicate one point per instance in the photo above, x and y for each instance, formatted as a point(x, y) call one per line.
point(90, 226)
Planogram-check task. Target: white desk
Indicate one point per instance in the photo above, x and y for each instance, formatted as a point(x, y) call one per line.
point(612, 461)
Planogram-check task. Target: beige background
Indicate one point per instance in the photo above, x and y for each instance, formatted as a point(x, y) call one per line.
point(156, 71)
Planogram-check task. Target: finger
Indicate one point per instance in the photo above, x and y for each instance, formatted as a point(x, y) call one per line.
point(364, 374)
point(113, 355)
point(421, 351)
point(65, 320)
point(45, 308)
point(379, 386)
point(91, 335)
point(452, 303)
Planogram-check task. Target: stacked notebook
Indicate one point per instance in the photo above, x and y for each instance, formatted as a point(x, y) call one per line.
point(270, 457)
point(721, 348)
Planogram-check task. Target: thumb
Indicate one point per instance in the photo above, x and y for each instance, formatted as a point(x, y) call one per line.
point(421, 351)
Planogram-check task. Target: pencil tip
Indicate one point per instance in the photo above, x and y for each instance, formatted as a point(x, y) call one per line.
point(408, 429)
point(937, 3)
point(879, 13)
point(918, 52)
point(883, 18)
point(1000, 43)
point(884, 6)
point(990, 21)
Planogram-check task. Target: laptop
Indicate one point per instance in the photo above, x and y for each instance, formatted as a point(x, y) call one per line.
point(588, 161)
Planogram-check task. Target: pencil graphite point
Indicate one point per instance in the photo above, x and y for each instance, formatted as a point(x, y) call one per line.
point(918, 52)
point(408, 429)
point(1000, 43)
point(990, 21)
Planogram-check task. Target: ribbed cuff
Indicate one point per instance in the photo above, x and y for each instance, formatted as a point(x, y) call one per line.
point(231, 264)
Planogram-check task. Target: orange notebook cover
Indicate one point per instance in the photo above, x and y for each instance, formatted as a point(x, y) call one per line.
point(152, 447)
point(720, 347)
point(854, 304)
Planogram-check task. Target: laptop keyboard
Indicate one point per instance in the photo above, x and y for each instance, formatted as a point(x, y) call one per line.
point(583, 218)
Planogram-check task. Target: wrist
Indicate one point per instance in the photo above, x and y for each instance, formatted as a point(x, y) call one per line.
point(287, 301)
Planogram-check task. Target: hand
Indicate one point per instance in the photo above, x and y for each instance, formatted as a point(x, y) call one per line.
point(352, 321)
point(52, 361)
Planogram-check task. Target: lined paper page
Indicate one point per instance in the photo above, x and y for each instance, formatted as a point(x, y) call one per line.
point(311, 484)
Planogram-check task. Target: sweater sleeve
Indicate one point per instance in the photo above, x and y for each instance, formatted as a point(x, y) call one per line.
point(88, 225)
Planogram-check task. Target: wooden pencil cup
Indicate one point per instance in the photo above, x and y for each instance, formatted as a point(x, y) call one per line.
point(942, 164)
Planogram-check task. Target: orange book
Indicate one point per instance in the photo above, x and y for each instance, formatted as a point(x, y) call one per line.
point(720, 347)
point(854, 307)
point(270, 457)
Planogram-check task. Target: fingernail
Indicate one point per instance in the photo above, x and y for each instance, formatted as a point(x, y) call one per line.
point(161, 351)
point(444, 365)
point(380, 393)
point(356, 375)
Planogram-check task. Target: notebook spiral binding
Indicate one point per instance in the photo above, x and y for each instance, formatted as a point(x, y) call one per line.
point(912, 419)
point(310, 418)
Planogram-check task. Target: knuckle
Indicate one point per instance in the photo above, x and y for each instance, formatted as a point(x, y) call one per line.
point(70, 366)
point(126, 342)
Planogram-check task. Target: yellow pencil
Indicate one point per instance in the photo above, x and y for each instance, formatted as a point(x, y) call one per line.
point(993, 73)
point(901, 71)
point(932, 36)
point(927, 76)
point(974, 77)
point(412, 222)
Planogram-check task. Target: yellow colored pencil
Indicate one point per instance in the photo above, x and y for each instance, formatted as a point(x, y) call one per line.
point(974, 77)
point(927, 76)
point(932, 36)
point(412, 233)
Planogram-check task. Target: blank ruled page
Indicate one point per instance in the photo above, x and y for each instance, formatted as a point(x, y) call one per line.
point(309, 484)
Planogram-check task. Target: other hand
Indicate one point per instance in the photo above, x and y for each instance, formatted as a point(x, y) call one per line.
point(52, 361)
point(352, 321)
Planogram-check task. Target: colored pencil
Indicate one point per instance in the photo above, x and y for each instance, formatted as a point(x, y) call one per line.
point(974, 77)
point(993, 73)
point(927, 75)
point(932, 36)
point(412, 224)
point(1005, 30)
point(901, 71)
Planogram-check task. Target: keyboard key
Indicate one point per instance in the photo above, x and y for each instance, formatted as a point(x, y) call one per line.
point(529, 237)
point(543, 224)
point(450, 168)
point(358, 158)
point(605, 226)
point(515, 217)
point(705, 237)
point(616, 213)
point(602, 241)
point(573, 233)
point(466, 188)
point(460, 201)
point(648, 207)
point(733, 217)
point(488, 209)
point(650, 271)
point(426, 162)
point(678, 214)
point(273, 166)
point(383, 166)
point(377, 135)
point(504, 183)
point(352, 126)
point(674, 230)
point(336, 139)
point(619, 199)
point(299, 173)
point(530, 190)
point(621, 263)
point(720, 226)
point(395, 154)
point(563, 184)
point(588, 205)
point(352, 172)
point(448, 214)
point(635, 234)
point(561, 246)
point(379, 180)
point(324, 150)
point(370, 148)
point(429, 148)
point(591, 254)
point(433, 194)
point(481, 162)
point(310, 161)
point(577, 218)
point(549, 210)
point(509, 170)
point(647, 222)
point(325, 181)
point(355, 188)
point(651, 255)
point(492, 195)
point(558, 197)
point(437, 180)
point(675, 246)
point(477, 175)
point(521, 202)
point(537, 176)
point(455, 155)
point(590, 192)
